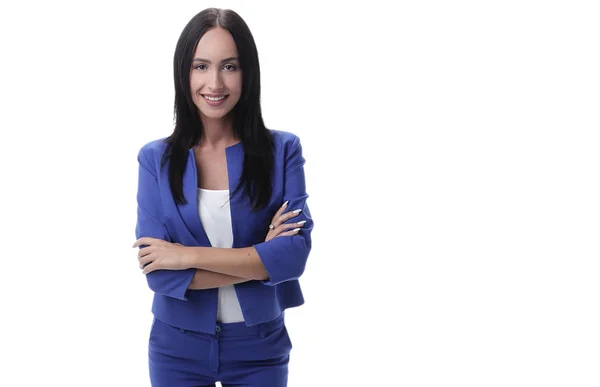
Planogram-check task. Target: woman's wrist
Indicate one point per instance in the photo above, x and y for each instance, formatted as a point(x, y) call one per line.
point(192, 257)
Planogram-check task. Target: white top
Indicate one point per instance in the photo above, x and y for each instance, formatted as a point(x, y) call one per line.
point(215, 215)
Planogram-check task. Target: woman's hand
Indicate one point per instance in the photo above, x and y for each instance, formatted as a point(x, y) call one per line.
point(160, 254)
point(277, 227)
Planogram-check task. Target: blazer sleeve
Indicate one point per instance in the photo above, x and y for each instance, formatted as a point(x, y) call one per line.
point(285, 257)
point(151, 223)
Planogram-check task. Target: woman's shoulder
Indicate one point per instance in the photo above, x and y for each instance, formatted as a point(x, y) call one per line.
point(284, 140)
point(153, 148)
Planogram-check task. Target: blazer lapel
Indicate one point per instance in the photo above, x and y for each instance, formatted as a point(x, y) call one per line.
point(235, 164)
point(189, 212)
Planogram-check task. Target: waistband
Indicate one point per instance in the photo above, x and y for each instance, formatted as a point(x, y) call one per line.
point(240, 329)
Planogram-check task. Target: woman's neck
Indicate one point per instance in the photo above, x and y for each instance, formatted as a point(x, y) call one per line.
point(218, 133)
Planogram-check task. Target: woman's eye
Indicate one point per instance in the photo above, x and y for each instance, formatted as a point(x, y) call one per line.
point(229, 67)
point(200, 67)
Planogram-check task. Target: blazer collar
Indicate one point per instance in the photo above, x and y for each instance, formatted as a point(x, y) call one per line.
point(190, 212)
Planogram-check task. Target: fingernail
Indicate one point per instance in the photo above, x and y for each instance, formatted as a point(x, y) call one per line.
point(296, 230)
point(285, 204)
point(297, 211)
point(302, 222)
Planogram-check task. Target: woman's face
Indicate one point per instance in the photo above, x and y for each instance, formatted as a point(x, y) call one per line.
point(216, 76)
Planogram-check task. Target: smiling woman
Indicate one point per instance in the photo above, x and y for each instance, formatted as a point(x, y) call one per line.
point(223, 226)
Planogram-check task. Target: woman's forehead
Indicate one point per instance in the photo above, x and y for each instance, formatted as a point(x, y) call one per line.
point(216, 44)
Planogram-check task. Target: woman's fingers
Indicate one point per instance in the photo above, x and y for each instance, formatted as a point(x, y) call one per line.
point(287, 226)
point(280, 231)
point(148, 241)
point(150, 268)
point(146, 259)
point(280, 218)
point(279, 226)
point(288, 215)
point(274, 222)
point(145, 251)
point(280, 210)
point(290, 233)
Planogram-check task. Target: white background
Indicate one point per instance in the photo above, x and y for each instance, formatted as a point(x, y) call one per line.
point(452, 164)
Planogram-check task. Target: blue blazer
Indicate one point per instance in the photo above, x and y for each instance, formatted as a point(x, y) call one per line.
point(284, 258)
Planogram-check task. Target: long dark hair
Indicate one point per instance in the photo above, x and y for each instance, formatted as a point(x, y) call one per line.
point(248, 125)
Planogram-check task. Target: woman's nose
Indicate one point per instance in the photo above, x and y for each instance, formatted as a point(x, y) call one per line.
point(215, 82)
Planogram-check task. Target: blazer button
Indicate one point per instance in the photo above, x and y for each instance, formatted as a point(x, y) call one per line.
point(217, 329)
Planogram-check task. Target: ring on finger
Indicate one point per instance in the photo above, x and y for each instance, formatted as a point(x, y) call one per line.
point(271, 226)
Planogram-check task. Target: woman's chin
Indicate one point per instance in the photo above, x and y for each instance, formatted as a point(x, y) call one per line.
point(213, 115)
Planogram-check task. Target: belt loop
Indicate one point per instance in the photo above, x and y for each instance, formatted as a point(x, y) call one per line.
point(262, 329)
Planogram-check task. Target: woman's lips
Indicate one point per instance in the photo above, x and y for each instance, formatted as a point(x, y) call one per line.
point(214, 100)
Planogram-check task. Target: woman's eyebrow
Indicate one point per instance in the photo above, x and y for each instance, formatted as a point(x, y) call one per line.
point(223, 61)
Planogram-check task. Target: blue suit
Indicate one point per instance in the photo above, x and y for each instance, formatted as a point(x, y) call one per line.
point(158, 216)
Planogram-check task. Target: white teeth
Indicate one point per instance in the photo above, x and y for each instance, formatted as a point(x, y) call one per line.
point(214, 99)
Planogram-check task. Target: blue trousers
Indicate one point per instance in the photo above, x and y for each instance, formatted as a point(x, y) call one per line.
point(235, 355)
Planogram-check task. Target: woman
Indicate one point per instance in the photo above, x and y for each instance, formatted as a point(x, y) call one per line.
point(223, 226)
